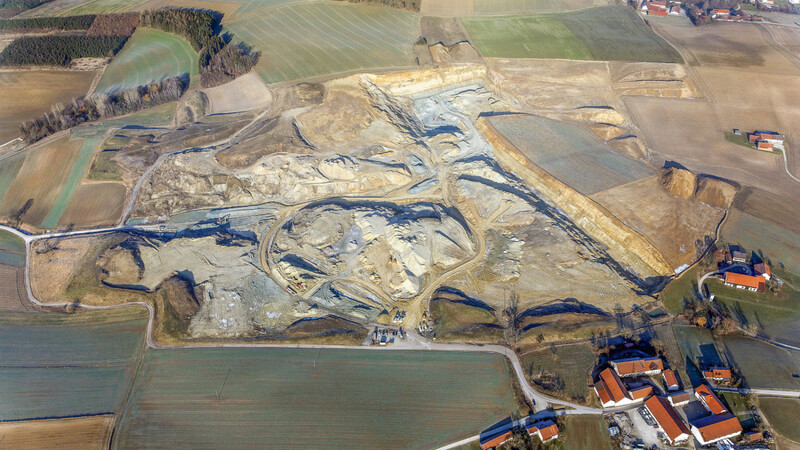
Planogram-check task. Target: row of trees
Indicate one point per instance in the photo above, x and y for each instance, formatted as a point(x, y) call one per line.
point(220, 60)
point(104, 105)
point(22, 4)
point(59, 50)
point(410, 5)
point(48, 23)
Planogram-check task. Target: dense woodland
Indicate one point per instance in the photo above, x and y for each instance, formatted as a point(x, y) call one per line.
point(59, 50)
point(48, 23)
point(123, 24)
point(220, 61)
point(101, 106)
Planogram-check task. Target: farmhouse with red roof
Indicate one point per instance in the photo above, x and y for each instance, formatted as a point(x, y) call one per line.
point(668, 419)
point(741, 281)
point(632, 367)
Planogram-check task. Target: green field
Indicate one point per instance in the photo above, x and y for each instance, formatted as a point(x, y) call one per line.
point(585, 433)
point(570, 153)
point(782, 414)
point(605, 34)
point(680, 291)
point(571, 363)
point(508, 7)
point(149, 55)
point(12, 249)
point(747, 355)
point(8, 171)
point(763, 365)
point(309, 40)
point(58, 365)
point(75, 176)
point(780, 246)
point(249, 397)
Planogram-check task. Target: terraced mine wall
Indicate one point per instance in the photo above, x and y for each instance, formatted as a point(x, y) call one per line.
point(624, 244)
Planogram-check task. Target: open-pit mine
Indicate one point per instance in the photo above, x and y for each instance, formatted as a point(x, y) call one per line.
point(372, 192)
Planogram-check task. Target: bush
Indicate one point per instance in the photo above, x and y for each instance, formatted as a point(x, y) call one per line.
point(100, 106)
point(58, 50)
point(48, 23)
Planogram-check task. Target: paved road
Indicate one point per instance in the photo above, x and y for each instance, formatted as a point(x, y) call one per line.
point(759, 391)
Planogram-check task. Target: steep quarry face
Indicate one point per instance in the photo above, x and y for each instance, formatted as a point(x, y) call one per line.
point(394, 249)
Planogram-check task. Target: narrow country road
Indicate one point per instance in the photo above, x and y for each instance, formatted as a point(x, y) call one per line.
point(768, 392)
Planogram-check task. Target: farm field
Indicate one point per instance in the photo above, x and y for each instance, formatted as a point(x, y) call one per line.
point(605, 34)
point(780, 246)
point(95, 204)
point(26, 94)
point(383, 399)
point(749, 356)
point(509, 7)
point(12, 249)
point(43, 175)
point(12, 291)
point(572, 364)
point(8, 171)
point(77, 433)
point(149, 55)
point(228, 98)
point(570, 153)
point(699, 346)
point(74, 178)
point(57, 365)
point(311, 40)
point(782, 414)
point(585, 433)
point(732, 64)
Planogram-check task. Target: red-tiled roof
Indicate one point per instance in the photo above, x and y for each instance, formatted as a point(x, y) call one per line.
point(718, 426)
point(722, 11)
point(495, 441)
point(641, 392)
point(546, 428)
point(614, 385)
point(634, 366)
point(765, 145)
point(762, 268)
point(718, 373)
point(602, 392)
point(659, 3)
point(670, 378)
point(667, 417)
point(752, 137)
point(657, 12)
point(744, 280)
point(711, 401)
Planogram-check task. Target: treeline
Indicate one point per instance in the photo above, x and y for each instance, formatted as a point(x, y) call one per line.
point(59, 50)
point(220, 61)
point(100, 106)
point(48, 23)
point(21, 5)
point(409, 5)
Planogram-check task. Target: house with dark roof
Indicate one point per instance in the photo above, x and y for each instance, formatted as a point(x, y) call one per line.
point(762, 270)
point(669, 422)
point(679, 399)
point(716, 427)
point(631, 367)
